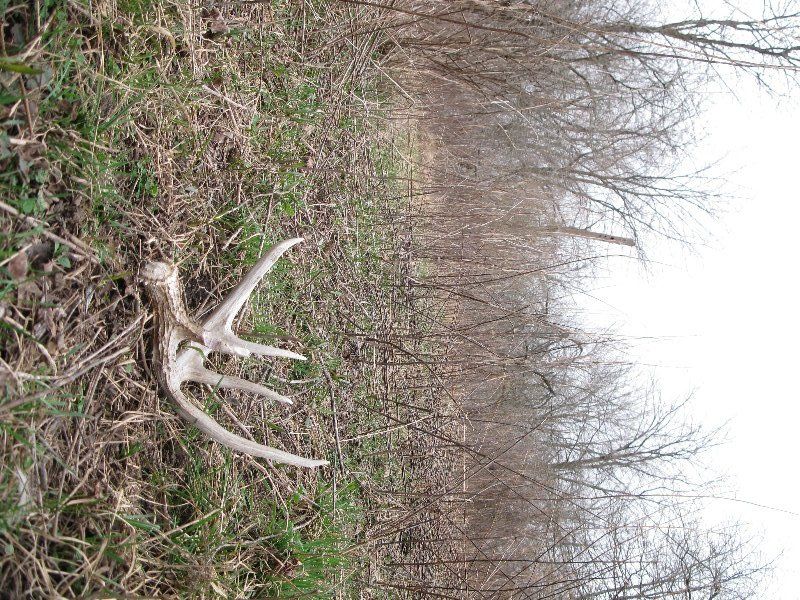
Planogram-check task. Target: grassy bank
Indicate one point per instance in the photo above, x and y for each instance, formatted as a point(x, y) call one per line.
point(138, 130)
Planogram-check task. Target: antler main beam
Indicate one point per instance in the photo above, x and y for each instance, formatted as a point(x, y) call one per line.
point(176, 365)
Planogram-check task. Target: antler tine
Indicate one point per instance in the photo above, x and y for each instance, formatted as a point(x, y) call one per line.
point(174, 365)
point(217, 332)
point(222, 317)
point(218, 433)
point(190, 360)
point(236, 383)
point(232, 344)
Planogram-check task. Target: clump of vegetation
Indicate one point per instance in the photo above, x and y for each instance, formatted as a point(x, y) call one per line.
point(145, 130)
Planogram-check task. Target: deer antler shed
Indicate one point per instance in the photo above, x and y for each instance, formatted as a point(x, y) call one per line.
point(175, 364)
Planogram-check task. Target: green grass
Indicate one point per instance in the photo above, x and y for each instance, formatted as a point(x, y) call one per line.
point(102, 488)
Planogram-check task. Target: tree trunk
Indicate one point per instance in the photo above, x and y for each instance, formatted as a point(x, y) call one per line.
point(589, 234)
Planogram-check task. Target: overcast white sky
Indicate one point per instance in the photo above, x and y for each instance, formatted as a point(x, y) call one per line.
point(729, 319)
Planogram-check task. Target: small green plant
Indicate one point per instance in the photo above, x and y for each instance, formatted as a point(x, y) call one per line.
point(320, 563)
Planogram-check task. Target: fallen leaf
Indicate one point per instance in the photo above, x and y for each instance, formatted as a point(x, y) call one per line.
point(28, 293)
point(40, 330)
point(165, 34)
point(28, 153)
point(218, 27)
point(18, 266)
point(40, 253)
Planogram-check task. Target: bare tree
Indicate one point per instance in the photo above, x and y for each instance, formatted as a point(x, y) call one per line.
point(548, 127)
point(597, 98)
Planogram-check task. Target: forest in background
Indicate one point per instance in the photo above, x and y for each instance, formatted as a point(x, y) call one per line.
point(552, 134)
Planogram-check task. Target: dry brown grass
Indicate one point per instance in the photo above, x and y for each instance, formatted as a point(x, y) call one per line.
point(160, 130)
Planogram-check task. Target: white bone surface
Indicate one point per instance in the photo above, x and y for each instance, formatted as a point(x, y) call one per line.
point(175, 366)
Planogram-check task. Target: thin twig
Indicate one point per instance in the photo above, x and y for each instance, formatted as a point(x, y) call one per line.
point(332, 394)
point(76, 245)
